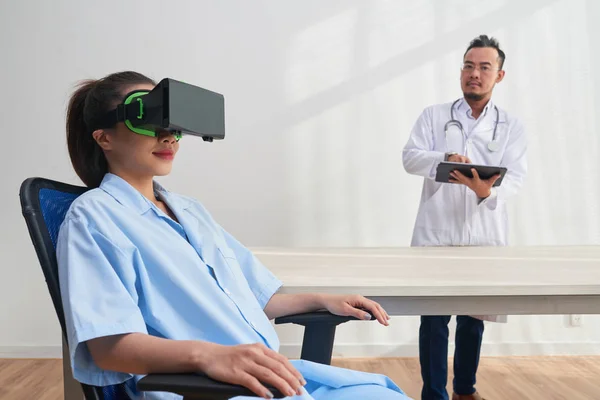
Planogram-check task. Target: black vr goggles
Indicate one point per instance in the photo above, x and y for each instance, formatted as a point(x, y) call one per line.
point(174, 106)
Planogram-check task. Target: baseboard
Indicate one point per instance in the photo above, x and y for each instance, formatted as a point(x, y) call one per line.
point(30, 352)
point(488, 349)
point(371, 350)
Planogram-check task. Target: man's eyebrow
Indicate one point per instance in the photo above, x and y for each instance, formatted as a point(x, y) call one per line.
point(481, 63)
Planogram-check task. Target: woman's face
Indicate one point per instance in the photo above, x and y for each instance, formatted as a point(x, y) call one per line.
point(137, 156)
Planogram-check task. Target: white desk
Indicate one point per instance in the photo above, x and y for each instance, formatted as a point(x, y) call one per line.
point(448, 281)
point(443, 281)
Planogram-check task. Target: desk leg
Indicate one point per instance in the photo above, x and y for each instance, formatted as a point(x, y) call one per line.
point(72, 388)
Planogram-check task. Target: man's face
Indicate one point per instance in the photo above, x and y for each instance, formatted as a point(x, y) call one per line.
point(480, 73)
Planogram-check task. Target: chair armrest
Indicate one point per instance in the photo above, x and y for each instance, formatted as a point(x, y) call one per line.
point(316, 317)
point(317, 347)
point(196, 386)
point(319, 333)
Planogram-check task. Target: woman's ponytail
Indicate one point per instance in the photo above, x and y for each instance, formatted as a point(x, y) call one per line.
point(90, 101)
point(86, 156)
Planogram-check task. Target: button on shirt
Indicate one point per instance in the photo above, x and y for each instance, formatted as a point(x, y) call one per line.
point(125, 266)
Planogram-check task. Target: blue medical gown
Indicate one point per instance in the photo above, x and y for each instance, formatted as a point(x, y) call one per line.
point(125, 267)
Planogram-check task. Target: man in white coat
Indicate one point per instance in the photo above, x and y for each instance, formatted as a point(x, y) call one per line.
point(469, 211)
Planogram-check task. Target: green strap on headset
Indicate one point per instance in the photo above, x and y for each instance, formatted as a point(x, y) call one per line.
point(141, 114)
point(127, 102)
point(141, 131)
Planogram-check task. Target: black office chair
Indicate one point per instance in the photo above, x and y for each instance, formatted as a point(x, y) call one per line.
point(44, 205)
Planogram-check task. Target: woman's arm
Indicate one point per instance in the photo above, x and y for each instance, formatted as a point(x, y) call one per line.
point(246, 365)
point(264, 285)
point(287, 304)
point(130, 353)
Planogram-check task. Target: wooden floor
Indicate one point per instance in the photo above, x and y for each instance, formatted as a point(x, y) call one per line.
point(505, 378)
point(31, 379)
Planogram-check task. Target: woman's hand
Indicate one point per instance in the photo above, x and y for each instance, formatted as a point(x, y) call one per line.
point(356, 306)
point(249, 365)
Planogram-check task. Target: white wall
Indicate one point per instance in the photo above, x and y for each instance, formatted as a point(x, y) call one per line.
point(320, 98)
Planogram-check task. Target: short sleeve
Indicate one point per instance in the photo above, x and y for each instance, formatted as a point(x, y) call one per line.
point(97, 284)
point(262, 282)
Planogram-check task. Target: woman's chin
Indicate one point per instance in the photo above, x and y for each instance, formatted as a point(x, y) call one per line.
point(163, 170)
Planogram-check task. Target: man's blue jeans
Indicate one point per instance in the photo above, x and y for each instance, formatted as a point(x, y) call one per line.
point(433, 355)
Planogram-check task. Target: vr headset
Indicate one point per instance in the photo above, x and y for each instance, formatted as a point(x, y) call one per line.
point(174, 106)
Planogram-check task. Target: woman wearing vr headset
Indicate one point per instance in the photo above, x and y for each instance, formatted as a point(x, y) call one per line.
point(152, 284)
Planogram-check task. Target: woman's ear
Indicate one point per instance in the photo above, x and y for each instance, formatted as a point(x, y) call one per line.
point(102, 138)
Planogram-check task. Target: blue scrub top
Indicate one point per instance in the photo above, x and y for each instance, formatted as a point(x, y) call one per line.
point(125, 266)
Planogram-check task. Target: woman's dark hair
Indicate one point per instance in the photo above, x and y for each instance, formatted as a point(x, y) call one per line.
point(91, 101)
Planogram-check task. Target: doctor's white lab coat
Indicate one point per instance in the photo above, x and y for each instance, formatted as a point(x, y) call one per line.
point(451, 214)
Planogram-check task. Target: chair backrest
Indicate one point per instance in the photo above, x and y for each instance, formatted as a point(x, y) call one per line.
point(44, 204)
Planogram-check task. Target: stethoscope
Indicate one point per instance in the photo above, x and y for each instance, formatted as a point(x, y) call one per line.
point(492, 146)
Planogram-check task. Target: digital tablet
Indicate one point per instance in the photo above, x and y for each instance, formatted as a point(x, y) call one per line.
point(485, 171)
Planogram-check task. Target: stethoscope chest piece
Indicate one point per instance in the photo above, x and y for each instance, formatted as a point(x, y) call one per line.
point(493, 145)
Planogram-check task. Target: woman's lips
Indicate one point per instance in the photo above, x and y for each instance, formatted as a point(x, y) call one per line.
point(165, 154)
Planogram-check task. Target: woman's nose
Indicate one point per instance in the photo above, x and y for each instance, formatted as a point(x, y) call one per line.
point(167, 137)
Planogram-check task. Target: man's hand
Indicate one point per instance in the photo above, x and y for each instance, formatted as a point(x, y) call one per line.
point(350, 305)
point(249, 365)
point(459, 159)
point(481, 187)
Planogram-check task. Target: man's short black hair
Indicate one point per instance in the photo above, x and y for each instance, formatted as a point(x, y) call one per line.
point(485, 41)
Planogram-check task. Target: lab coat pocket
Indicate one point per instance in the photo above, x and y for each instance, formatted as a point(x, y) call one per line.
point(482, 139)
point(437, 210)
